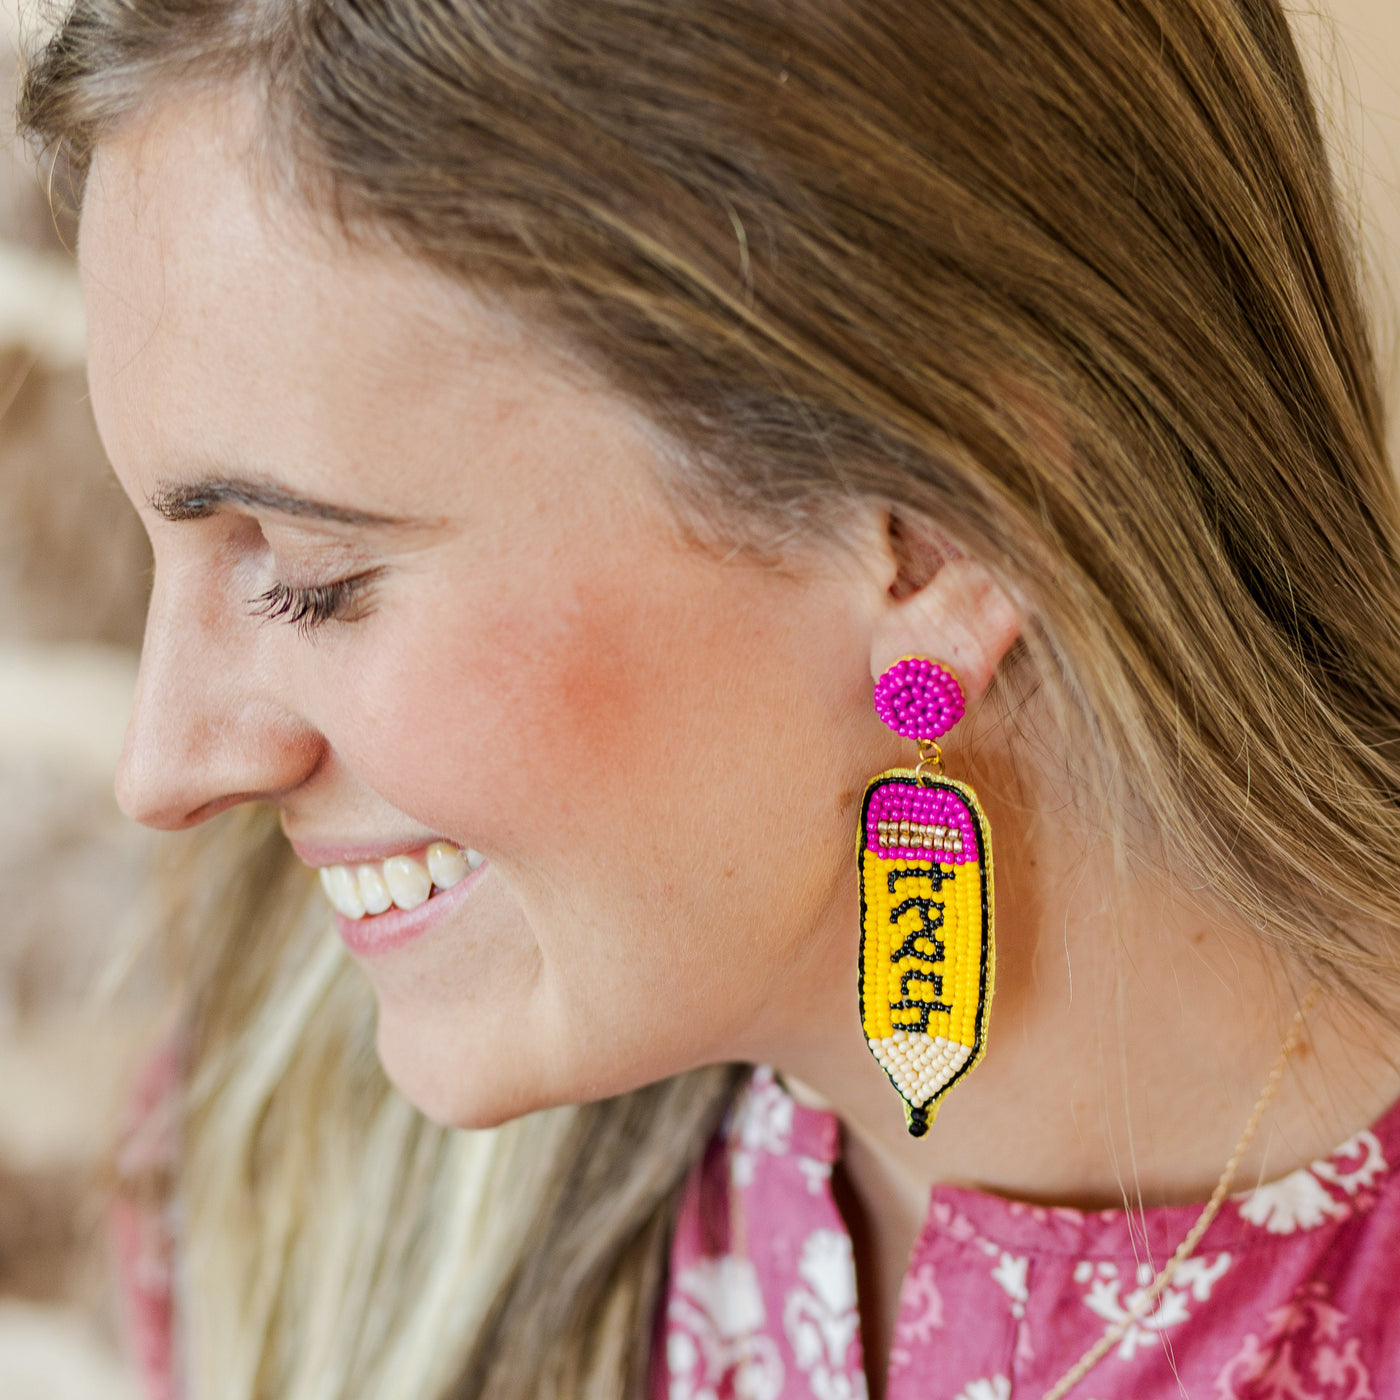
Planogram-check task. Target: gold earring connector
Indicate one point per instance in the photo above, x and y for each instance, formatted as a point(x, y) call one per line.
point(930, 758)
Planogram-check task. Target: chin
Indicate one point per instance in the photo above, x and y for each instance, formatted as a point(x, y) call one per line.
point(460, 1086)
point(460, 1082)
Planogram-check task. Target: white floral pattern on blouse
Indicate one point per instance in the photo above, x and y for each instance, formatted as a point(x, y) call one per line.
point(1293, 1294)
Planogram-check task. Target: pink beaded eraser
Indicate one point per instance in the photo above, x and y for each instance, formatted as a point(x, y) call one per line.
point(918, 698)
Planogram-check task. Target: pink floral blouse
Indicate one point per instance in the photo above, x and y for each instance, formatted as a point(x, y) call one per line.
point(1293, 1294)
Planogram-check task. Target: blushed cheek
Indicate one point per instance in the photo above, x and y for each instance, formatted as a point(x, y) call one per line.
point(492, 720)
point(651, 670)
point(605, 686)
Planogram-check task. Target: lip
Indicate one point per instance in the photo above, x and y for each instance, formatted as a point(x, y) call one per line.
point(318, 855)
point(377, 934)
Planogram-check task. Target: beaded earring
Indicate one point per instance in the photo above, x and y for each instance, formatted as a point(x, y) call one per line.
point(926, 953)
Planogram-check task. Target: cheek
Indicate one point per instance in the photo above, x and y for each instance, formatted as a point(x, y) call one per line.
point(624, 755)
point(618, 748)
point(486, 720)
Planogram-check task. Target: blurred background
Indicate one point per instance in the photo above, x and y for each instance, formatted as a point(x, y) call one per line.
point(73, 577)
point(76, 878)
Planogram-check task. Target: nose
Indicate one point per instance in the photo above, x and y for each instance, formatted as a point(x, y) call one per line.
point(211, 725)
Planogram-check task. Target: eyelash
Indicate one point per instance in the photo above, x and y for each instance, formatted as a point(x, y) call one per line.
point(306, 609)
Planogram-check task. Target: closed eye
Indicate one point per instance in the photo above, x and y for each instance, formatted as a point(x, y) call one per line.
point(307, 608)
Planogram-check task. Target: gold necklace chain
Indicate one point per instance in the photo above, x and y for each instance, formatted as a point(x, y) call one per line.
point(1148, 1300)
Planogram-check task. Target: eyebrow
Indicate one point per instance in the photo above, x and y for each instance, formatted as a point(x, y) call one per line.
point(196, 499)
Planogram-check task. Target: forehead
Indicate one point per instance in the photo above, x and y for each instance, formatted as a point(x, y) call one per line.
point(227, 319)
point(183, 222)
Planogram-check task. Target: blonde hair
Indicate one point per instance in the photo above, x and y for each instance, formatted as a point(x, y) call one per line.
point(1066, 276)
point(335, 1243)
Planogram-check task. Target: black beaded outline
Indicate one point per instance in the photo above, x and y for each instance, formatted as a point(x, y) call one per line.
point(917, 1117)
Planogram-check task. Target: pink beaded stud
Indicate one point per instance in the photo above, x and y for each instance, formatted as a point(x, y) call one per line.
point(918, 698)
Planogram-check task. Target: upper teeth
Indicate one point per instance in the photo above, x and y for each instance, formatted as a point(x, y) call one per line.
point(357, 890)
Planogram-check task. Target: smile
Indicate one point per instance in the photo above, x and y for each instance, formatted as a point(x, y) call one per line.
point(401, 882)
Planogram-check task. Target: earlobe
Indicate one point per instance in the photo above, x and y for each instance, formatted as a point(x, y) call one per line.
point(960, 617)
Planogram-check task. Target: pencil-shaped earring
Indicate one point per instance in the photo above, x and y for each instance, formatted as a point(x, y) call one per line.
point(926, 953)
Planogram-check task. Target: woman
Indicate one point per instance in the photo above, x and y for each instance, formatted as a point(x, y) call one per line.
point(608, 395)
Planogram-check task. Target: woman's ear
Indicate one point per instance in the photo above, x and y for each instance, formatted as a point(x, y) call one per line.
point(945, 606)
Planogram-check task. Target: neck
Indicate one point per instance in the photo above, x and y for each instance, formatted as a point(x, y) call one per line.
point(1131, 1033)
point(1132, 1029)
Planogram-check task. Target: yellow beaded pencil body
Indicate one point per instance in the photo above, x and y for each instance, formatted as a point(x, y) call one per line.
point(926, 957)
